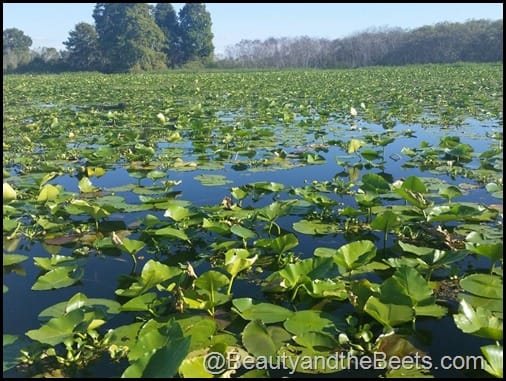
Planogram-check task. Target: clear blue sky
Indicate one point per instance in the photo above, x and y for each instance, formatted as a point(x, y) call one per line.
point(48, 24)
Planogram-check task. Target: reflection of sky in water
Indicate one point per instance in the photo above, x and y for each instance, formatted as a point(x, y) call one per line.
point(101, 273)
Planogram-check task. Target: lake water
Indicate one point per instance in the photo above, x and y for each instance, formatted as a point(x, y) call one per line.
point(21, 305)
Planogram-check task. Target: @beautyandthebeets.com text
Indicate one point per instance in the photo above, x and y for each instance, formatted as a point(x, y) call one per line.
point(218, 363)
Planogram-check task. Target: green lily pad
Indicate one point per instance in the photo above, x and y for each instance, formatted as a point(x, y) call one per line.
point(494, 356)
point(152, 274)
point(260, 340)
point(9, 194)
point(315, 227)
point(57, 330)
point(58, 278)
point(12, 259)
point(480, 321)
point(266, 312)
point(212, 180)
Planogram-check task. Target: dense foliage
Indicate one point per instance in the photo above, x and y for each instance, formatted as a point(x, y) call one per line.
point(126, 37)
point(16, 48)
point(152, 219)
point(475, 40)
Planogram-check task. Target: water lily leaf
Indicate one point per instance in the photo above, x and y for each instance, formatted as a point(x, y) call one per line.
point(171, 232)
point(177, 213)
point(58, 278)
point(301, 272)
point(418, 250)
point(494, 356)
point(316, 341)
point(458, 212)
point(215, 226)
point(154, 175)
point(57, 330)
point(12, 259)
point(243, 232)
point(415, 198)
point(79, 300)
point(355, 254)
point(386, 221)
point(200, 329)
point(375, 183)
point(301, 322)
point(408, 152)
point(56, 261)
point(301, 360)
point(208, 293)
point(9, 225)
point(486, 285)
point(370, 154)
point(152, 274)
point(264, 186)
point(212, 180)
point(75, 302)
point(140, 303)
point(494, 251)
point(193, 365)
point(9, 193)
point(48, 193)
point(47, 224)
point(276, 209)
point(314, 227)
point(406, 286)
point(82, 206)
point(354, 145)
point(493, 305)
point(389, 315)
point(131, 246)
point(279, 244)
point(124, 335)
point(266, 312)
point(151, 220)
point(165, 362)
point(495, 190)
point(414, 184)
point(313, 158)
point(327, 288)
point(237, 260)
point(97, 171)
point(12, 344)
point(85, 185)
point(260, 340)
point(158, 352)
point(394, 344)
point(239, 193)
point(211, 281)
point(432, 310)
point(450, 192)
point(480, 321)
point(151, 335)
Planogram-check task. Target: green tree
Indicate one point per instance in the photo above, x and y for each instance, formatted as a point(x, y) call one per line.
point(83, 49)
point(166, 19)
point(195, 31)
point(16, 48)
point(129, 38)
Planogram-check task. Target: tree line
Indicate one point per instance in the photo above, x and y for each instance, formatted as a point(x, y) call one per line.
point(126, 37)
point(135, 37)
point(474, 40)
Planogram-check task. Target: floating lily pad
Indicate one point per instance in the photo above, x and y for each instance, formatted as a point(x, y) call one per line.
point(212, 180)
